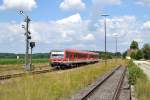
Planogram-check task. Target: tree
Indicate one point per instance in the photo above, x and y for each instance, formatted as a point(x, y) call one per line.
point(133, 55)
point(146, 51)
point(118, 54)
point(134, 45)
point(139, 55)
point(124, 54)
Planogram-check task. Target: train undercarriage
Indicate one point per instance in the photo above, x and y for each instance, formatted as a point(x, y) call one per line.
point(62, 65)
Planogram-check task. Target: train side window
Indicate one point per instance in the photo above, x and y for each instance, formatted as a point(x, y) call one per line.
point(66, 54)
point(75, 55)
point(70, 55)
point(79, 56)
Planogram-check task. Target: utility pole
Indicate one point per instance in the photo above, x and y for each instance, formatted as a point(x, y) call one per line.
point(116, 41)
point(27, 20)
point(105, 29)
point(116, 46)
point(28, 37)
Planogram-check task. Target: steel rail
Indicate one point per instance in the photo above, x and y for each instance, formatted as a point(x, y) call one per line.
point(99, 84)
point(118, 90)
point(9, 76)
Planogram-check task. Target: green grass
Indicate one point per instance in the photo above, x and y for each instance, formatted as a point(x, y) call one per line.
point(142, 89)
point(140, 80)
point(18, 65)
point(20, 61)
point(53, 86)
point(135, 73)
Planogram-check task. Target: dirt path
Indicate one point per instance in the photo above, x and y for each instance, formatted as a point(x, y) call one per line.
point(145, 66)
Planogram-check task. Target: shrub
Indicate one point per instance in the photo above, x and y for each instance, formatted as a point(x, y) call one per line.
point(140, 80)
point(146, 51)
point(133, 55)
point(135, 73)
point(139, 54)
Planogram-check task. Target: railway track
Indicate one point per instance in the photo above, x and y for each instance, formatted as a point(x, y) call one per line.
point(9, 76)
point(107, 88)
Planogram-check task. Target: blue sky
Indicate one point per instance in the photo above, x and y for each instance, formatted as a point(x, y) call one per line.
point(74, 24)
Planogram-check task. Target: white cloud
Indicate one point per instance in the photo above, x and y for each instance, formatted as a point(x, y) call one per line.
point(72, 32)
point(47, 35)
point(11, 36)
point(143, 2)
point(76, 18)
point(72, 5)
point(123, 25)
point(146, 25)
point(88, 37)
point(26, 5)
point(127, 28)
point(63, 33)
point(97, 9)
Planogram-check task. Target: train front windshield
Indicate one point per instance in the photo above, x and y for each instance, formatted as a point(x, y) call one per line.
point(57, 55)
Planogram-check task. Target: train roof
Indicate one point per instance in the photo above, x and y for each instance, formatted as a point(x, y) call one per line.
point(74, 50)
point(79, 51)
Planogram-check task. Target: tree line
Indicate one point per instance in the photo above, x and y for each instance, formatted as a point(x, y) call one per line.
point(136, 53)
point(13, 55)
point(110, 55)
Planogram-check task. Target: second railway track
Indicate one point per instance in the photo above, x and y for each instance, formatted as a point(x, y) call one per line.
point(107, 88)
point(9, 76)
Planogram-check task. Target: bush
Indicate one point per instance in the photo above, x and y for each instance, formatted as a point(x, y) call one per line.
point(124, 54)
point(134, 45)
point(140, 80)
point(135, 73)
point(146, 51)
point(139, 55)
point(133, 55)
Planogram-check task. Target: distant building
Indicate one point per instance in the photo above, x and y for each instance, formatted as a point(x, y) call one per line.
point(129, 51)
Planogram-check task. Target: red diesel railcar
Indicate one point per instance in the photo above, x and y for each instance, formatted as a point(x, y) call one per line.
point(69, 58)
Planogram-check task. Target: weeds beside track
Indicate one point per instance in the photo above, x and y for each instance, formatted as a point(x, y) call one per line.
point(58, 85)
point(140, 81)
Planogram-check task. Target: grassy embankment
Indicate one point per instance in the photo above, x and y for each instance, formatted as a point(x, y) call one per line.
point(139, 79)
point(53, 86)
point(14, 64)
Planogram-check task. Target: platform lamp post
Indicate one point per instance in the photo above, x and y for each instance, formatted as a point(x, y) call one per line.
point(105, 29)
point(28, 37)
point(116, 45)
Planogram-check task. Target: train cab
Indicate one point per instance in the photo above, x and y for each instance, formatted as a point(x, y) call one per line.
point(56, 57)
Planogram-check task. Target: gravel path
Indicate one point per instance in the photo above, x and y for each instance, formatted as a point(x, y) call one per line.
point(106, 91)
point(145, 66)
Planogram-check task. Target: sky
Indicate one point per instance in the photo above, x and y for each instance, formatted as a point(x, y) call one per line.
point(74, 24)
